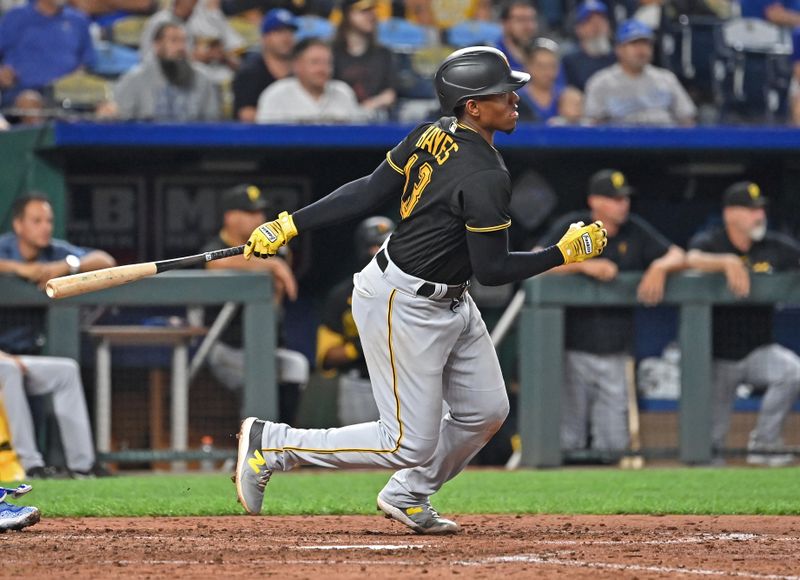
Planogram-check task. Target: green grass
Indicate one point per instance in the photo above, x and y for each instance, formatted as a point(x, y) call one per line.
point(566, 491)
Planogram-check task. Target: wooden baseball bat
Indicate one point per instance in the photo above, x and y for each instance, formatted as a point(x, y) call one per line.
point(85, 282)
point(635, 461)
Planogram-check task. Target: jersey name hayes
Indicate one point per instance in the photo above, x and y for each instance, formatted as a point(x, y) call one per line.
point(438, 143)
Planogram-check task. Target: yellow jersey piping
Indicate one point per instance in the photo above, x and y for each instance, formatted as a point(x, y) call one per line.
point(490, 228)
point(392, 164)
point(396, 400)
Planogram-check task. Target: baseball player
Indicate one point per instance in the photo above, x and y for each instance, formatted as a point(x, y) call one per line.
point(423, 338)
point(338, 344)
point(15, 517)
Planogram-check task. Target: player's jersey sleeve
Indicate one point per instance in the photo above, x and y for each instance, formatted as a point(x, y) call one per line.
point(398, 156)
point(705, 242)
point(484, 198)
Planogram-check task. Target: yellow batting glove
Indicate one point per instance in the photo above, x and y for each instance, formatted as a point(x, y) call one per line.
point(267, 239)
point(583, 242)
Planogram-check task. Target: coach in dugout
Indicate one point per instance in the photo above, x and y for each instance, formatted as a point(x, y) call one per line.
point(599, 340)
point(744, 349)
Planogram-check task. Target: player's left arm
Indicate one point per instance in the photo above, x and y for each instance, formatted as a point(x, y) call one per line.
point(651, 287)
point(350, 201)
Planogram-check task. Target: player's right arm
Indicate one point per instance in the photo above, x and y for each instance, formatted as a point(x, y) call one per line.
point(701, 256)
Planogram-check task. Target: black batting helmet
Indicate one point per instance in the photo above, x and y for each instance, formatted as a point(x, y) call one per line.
point(373, 231)
point(475, 71)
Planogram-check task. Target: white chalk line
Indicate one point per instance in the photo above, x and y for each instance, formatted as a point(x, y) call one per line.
point(537, 559)
point(699, 539)
point(364, 547)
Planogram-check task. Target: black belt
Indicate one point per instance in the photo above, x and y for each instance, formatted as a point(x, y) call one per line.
point(427, 289)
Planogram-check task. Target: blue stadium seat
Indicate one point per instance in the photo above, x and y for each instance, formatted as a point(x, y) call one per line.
point(752, 70)
point(401, 36)
point(311, 26)
point(113, 60)
point(687, 49)
point(474, 32)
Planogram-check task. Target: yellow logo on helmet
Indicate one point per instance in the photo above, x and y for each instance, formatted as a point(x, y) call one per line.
point(253, 192)
point(617, 179)
point(754, 191)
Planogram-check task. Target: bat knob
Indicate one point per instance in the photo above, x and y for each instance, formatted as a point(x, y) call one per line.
point(50, 291)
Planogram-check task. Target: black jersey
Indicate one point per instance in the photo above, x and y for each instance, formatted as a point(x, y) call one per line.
point(454, 181)
point(608, 330)
point(738, 330)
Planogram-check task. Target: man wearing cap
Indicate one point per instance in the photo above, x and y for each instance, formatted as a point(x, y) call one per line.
point(633, 91)
point(744, 349)
point(243, 206)
point(273, 62)
point(594, 53)
point(599, 340)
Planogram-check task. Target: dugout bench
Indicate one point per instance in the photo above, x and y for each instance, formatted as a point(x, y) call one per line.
point(541, 350)
point(180, 288)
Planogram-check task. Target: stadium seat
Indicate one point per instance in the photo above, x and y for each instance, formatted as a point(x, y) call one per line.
point(310, 26)
point(81, 91)
point(752, 70)
point(247, 29)
point(474, 32)
point(402, 36)
point(687, 49)
point(127, 31)
point(113, 60)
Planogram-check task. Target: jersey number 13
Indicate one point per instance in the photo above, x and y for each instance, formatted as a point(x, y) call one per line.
point(413, 191)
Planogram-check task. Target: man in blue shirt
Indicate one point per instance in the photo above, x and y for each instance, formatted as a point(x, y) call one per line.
point(780, 12)
point(595, 52)
point(39, 43)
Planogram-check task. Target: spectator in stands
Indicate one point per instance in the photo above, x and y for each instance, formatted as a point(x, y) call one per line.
point(104, 12)
point(259, 70)
point(23, 376)
point(311, 96)
point(338, 344)
point(594, 52)
point(29, 108)
point(599, 340)
point(244, 208)
point(539, 98)
point(443, 14)
point(167, 86)
point(39, 43)
point(633, 91)
point(780, 12)
point(744, 348)
point(360, 61)
point(519, 30)
point(204, 22)
point(570, 108)
point(794, 86)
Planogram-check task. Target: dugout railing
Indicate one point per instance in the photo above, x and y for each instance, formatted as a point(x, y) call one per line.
point(541, 350)
point(253, 292)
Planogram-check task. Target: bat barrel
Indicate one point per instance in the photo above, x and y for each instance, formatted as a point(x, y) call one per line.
point(84, 282)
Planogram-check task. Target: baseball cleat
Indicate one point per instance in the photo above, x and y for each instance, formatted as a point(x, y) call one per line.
point(423, 519)
point(14, 517)
point(252, 473)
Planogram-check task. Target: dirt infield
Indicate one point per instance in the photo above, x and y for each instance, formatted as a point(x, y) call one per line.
point(359, 546)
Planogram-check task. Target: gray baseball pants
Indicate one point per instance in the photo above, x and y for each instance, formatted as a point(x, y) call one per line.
point(61, 378)
point(419, 352)
point(595, 400)
point(773, 366)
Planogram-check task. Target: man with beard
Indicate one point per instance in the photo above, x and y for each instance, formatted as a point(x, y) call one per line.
point(39, 43)
point(743, 345)
point(633, 91)
point(599, 341)
point(261, 69)
point(593, 32)
point(519, 30)
point(167, 86)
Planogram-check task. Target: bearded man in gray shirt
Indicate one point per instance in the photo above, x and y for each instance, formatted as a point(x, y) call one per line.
point(167, 86)
point(633, 91)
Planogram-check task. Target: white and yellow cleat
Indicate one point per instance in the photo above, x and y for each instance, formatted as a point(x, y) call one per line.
point(423, 519)
point(252, 473)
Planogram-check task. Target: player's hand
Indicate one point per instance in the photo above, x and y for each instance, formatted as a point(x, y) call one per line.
point(737, 276)
point(582, 242)
point(651, 287)
point(267, 239)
